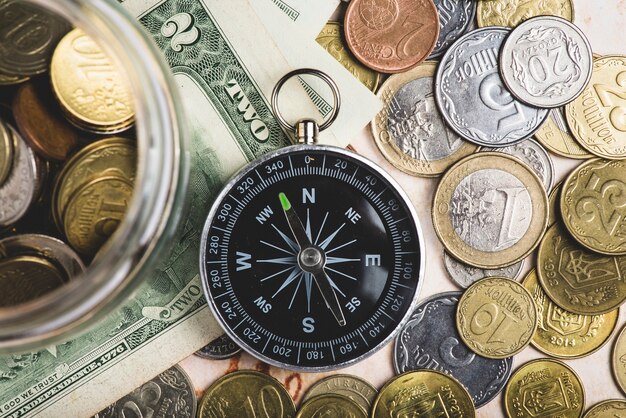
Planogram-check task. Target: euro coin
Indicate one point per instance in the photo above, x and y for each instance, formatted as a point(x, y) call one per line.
point(490, 210)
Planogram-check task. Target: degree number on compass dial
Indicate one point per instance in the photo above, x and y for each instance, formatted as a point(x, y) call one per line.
point(311, 258)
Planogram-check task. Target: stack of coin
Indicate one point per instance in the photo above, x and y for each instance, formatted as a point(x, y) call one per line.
point(65, 183)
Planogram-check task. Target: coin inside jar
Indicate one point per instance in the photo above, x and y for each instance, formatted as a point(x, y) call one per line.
point(490, 210)
point(89, 86)
point(7, 151)
point(391, 36)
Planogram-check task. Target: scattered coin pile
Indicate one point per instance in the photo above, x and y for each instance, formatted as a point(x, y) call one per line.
point(469, 119)
point(65, 182)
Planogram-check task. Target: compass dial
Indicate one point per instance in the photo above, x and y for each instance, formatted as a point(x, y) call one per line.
point(311, 258)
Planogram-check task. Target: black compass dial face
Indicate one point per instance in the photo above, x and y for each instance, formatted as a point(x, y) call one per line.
point(311, 258)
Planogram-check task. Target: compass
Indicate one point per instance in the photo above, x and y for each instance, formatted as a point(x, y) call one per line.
point(311, 257)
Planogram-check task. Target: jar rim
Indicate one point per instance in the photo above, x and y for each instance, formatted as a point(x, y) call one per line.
point(160, 188)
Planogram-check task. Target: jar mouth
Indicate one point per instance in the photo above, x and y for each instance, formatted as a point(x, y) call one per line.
point(160, 188)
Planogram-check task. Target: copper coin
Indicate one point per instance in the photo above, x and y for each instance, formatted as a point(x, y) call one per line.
point(391, 36)
point(41, 123)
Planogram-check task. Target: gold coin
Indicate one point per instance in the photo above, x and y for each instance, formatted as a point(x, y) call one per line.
point(331, 405)
point(577, 279)
point(612, 408)
point(353, 387)
point(554, 134)
point(111, 156)
point(95, 211)
point(25, 278)
point(246, 393)
point(554, 200)
point(619, 359)
point(331, 38)
point(564, 334)
point(544, 388)
point(490, 210)
point(7, 152)
point(409, 130)
point(423, 393)
point(89, 86)
point(593, 205)
point(597, 117)
point(513, 12)
point(496, 317)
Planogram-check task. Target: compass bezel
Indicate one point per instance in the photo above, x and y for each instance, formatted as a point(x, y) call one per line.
point(411, 212)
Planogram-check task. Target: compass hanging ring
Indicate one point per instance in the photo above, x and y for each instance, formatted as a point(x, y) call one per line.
point(306, 130)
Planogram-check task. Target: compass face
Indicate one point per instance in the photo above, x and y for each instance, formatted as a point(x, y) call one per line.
point(311, 258)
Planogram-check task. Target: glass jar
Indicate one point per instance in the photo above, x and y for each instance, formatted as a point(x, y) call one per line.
point(150, 225)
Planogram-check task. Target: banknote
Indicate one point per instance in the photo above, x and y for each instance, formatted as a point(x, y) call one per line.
point(225, 64)
point(306, 16)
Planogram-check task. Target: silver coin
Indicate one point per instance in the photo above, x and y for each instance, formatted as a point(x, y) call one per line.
point(531, 153)
point(353, 387)
point(430, 340)
point(170, 394)
point(455, 19)
point(52, 249)
point(546, 61)
point(480, 214)
point(221, 348)
point(473, 99)
point(21, 189)
point(28, 37)
point(465, 275)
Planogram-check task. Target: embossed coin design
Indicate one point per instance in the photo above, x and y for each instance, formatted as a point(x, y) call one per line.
point(579, 280)
point(597, 116)
point(472, 97)
point(619, 359)
point(353, 387)
point(544, 388)
point(429, 392)
point(612, 408)
point(95, 211)
point(330, 405)
point(593, 205)
point(490, 210)
point(546, 61)
point(430, 341)
point(97, 100)
point(170, 394)
point(221, 348)
point(535, 157)
point(28, 35)
point(465, 275)
point(409, 130)
point(246, 393)
point(513, 12)
point(391, 36)
point(41, 124)
point(455, 18)
point(332, 39)
point(496, 317)
point(564, 334)
point(555, 135)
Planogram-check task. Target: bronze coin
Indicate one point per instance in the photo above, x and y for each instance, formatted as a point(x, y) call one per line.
point(41, 122)
point(391, 36)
